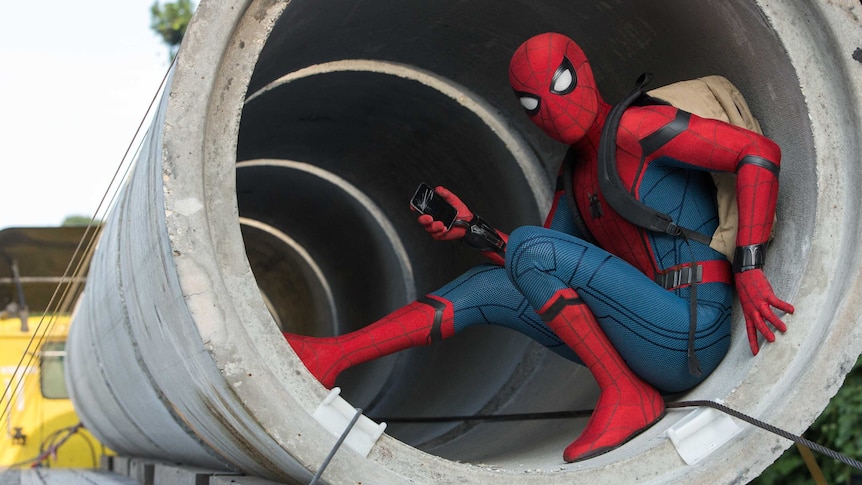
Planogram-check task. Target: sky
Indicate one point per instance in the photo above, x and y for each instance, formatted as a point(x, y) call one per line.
point(76, 78)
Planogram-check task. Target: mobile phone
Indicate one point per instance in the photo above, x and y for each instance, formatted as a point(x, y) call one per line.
point(426, 201)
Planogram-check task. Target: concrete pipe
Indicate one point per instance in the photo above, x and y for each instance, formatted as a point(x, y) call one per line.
point(272, 193)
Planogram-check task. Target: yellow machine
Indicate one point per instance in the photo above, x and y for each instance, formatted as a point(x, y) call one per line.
point(39, 424)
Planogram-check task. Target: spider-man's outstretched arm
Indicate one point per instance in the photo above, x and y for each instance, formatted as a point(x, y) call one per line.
point(438, 231)
point(718, 146)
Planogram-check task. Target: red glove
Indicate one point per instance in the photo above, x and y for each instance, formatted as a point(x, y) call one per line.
point(436, 228)
point(756, 297)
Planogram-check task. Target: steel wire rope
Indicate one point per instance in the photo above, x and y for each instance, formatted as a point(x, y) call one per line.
point(772, 429)
point(55, 306)
point(66, 299)
point(335, 447)
point(671, 405)
point(18, 376)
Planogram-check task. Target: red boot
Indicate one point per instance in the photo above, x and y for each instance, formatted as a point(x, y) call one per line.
point(627, 405)
point(416, 324)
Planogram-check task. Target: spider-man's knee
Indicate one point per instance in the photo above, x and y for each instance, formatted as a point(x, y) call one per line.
point(531, 250)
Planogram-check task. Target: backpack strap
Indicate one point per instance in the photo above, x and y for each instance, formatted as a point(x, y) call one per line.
point(635, 211)
point(611, 185)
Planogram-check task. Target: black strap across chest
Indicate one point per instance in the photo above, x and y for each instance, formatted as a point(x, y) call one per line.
point(610, 183)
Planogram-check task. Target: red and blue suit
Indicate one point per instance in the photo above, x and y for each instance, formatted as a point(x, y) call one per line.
point(622, 304)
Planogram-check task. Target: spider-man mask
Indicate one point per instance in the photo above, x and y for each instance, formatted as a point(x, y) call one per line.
point(552, 78)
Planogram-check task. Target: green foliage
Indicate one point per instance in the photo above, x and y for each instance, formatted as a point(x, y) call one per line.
point(77, 221)
point(170, 21)
point(837, 428)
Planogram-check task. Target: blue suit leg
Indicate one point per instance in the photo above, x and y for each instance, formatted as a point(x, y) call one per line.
point(646, 323)
point(485, 295)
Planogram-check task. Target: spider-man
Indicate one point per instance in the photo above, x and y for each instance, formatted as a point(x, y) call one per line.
point(624, 305)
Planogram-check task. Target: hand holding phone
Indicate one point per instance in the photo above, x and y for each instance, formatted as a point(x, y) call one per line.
point(426, 201)
point(456, 220)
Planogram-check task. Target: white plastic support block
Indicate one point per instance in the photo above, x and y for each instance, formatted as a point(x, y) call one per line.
point(335, 414)
point(702, 432)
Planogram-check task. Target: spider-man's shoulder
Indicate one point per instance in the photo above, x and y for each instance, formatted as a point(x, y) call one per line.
point(641, 121)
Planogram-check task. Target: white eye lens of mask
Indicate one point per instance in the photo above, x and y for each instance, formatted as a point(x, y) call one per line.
point(530, 104)
point(562, 83)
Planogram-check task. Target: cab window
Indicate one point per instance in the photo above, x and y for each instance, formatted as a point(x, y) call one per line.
point(53, 381)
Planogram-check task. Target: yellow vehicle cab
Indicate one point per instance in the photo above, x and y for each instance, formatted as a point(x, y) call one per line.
point(39, 424)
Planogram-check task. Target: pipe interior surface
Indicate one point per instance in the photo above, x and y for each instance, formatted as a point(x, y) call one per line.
point(385, 133)
point(316, 123)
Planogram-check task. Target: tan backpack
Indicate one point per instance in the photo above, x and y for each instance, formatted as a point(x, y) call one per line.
point(717, 98)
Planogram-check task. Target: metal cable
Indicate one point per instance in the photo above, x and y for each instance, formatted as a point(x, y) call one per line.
point(772, 429)
point(336, 447)
point(673, 405)
point(66, 299)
